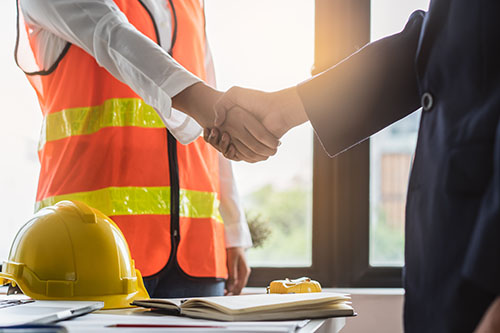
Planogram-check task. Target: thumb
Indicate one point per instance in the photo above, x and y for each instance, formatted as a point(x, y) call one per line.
point(220, 113)
point(224, 104)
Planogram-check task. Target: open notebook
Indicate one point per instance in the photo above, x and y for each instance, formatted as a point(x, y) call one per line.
point(256, 307)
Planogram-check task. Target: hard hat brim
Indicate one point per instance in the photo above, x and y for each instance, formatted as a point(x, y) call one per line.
point(119, 301)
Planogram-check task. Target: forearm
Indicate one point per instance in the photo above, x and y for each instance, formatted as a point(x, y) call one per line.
point(366, 92)
point(198, 101)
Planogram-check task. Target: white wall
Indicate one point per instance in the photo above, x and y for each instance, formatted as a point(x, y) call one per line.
point(379, 310)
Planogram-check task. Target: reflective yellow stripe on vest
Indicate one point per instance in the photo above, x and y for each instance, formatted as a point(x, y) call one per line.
point(116, 112)
point(143, 201)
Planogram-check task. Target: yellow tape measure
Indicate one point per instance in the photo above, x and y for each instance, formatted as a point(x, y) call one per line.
point(287, 286)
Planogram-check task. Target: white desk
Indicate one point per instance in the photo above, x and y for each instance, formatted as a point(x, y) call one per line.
point(100, 322)
point(331, 325)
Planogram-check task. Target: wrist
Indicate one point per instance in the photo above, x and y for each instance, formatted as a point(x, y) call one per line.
point(197, 101)
point(290, 105)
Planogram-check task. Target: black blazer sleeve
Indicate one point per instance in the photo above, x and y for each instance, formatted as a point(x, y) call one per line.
point(366, 92)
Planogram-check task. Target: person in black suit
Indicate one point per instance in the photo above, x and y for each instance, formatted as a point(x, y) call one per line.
point(448, 62)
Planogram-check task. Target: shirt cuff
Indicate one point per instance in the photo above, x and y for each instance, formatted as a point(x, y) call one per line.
point(184, 128)
point(238, 235)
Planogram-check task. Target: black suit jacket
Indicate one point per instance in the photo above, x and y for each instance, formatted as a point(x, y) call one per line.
point(447, 59)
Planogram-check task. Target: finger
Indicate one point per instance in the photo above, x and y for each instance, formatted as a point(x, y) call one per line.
point(206, 133)
point(231, 154)
point(224, 142)
point(265, 142)
point(243, 274)
point(241, 126)
point(237, 157)
point(212, 140)
point(246, 154)
point(214, 137)
point(262, 134)
point(249, 159)
point(242, 151)
point(232, 271)
point(248, 145)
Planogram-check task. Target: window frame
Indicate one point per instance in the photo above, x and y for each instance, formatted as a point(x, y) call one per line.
point(341, 185)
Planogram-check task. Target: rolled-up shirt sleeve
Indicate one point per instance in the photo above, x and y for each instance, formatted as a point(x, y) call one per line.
point(236, 228)
point(103, 31)
point(366, 92)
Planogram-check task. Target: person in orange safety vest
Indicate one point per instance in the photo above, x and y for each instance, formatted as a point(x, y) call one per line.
point(107, 75)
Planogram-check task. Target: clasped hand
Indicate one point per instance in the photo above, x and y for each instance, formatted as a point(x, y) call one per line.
point(249, 123)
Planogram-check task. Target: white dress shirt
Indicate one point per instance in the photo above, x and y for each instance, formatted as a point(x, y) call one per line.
point(103, 31)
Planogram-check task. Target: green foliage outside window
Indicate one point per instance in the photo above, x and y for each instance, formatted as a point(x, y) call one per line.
point(287, 215)
point(280, 223)
point(386, 241)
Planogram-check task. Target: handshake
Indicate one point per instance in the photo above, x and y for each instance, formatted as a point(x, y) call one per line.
point(248, 124)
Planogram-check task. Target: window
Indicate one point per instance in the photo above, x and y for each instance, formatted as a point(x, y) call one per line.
point(351, 244)
point(270, 46)
point(391, 153)
point(19, 130)
point(365, 191)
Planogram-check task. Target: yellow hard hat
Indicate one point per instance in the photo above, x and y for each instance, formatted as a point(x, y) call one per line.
point(70, 251)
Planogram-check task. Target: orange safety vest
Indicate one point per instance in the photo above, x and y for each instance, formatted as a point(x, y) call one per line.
point(101, 144)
